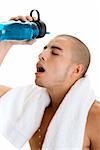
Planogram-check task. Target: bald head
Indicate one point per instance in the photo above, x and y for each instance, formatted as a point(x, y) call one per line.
point(80, 52)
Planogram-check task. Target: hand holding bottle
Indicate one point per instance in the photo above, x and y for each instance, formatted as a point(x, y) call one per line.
point(7, 44)
point(20, 30)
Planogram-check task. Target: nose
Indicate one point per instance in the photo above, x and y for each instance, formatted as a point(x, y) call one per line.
point(43, 56)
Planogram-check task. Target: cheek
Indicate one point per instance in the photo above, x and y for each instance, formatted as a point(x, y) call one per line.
point(58, 72)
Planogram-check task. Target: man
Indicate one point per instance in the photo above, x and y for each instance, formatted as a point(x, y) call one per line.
point(64, 60)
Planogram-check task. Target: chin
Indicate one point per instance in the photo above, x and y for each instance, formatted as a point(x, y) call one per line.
point(39, 83)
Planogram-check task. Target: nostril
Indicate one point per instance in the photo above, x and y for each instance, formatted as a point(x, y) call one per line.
point(42, 58)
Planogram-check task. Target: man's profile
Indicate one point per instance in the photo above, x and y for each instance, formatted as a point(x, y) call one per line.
point(68, 104)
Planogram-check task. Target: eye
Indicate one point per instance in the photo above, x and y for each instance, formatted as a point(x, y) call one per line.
point(54, 53)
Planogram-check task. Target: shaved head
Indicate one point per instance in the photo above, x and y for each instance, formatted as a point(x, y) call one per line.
point(80, 52)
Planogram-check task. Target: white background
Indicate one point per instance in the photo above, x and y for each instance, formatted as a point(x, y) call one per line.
point(76, 17)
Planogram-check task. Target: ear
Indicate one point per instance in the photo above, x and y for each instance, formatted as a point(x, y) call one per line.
point(78, 70)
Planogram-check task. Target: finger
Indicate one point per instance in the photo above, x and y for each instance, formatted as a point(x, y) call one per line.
point(14, 18)
point(29, 18)
point(30, 42)
point(22, 18)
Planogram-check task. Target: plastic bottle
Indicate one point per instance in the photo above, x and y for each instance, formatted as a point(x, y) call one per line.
point(18, 30)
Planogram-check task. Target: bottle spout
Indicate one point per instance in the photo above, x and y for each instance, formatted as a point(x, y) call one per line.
point(47, 32)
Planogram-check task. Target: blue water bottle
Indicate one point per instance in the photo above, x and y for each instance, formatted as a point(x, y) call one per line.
point(18, 30)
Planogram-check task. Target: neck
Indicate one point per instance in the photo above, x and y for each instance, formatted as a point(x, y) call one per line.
point(57, 94)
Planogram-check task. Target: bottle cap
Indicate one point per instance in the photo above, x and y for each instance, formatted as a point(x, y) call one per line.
point(41, 25)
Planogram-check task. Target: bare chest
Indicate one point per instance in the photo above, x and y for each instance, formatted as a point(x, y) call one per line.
point(38, 138)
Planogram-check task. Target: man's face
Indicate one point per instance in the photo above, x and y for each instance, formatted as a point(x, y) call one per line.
point(54, 65)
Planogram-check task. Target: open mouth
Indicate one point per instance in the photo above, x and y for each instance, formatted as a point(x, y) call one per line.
point(40, 69)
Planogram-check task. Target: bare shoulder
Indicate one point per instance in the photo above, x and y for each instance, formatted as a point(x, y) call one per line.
point(95, 111)
point(93, 125)
point(4, 89)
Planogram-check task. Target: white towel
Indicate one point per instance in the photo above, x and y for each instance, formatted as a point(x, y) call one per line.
point(23, 109)
point(66, 130)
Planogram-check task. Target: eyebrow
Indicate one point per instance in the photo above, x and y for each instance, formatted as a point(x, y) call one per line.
point(54, 47)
